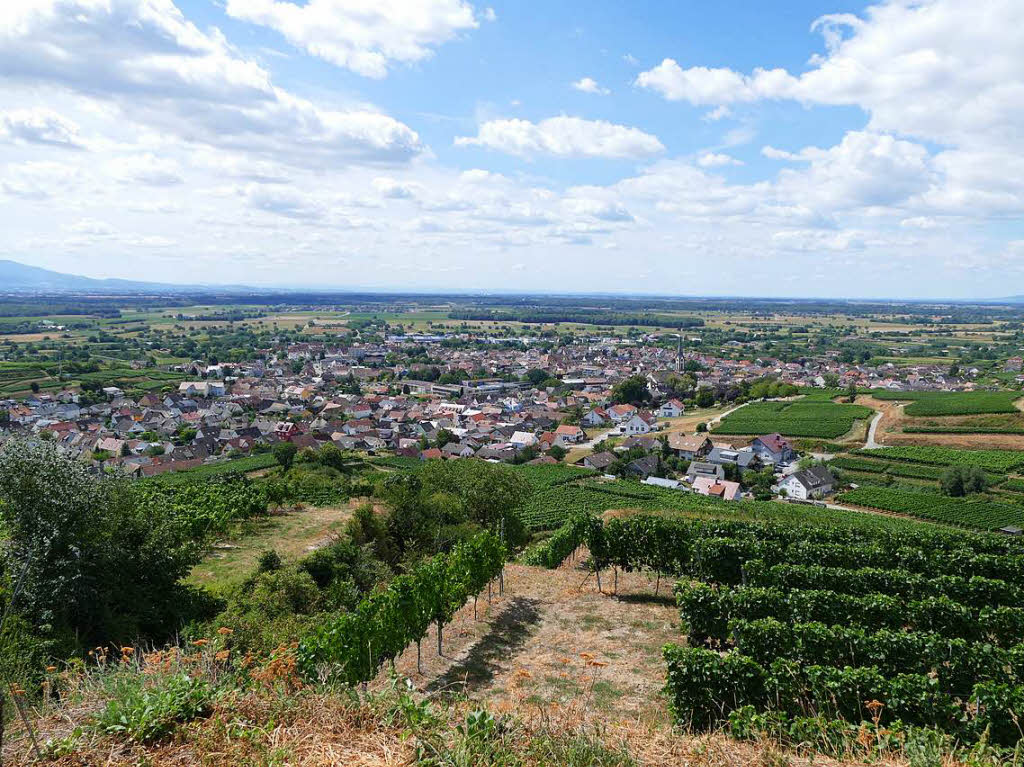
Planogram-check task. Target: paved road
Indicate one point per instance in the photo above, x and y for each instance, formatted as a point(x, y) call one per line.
point(591, 443)
point(871, 444)
point(718, 418)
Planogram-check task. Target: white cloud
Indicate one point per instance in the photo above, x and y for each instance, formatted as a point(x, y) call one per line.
point(604, 210)
point(39, 126)
point(282, 201)
point(363, 35)
point(936, 69)
point(146, 169)
point(564, 137)
point(589, 85)
point(718, 113)
point(92, 226)
point(38, 180)
point(920, 222)
point(701, 85)
point(716, 160)
point(864, 170)
point(162, 71)
point(388, 187)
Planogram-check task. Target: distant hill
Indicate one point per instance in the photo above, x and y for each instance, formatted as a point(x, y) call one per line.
point(16, 277)
point(24, 278)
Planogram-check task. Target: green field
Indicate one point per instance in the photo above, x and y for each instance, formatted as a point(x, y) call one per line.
point(801, 418)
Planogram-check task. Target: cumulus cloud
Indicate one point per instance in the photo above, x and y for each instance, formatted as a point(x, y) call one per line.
point(39, 126)
point(145, 57)
point(564, 137)
point(365, 36)
point(146, 169)
point(589, 85)
point(936, 69)
point(864, 170)
point(388, 187)
point(704, 86)
point(715, 160)
point(282, 201)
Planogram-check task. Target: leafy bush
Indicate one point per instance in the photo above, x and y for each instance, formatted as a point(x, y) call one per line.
point(145, 709)
point(101, 566)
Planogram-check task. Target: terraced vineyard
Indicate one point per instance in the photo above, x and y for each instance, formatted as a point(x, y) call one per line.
point(800, 418)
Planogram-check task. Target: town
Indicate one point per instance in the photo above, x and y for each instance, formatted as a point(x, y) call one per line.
point(632, 406)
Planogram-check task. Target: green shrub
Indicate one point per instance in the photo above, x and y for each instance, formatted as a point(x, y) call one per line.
point(145, 710)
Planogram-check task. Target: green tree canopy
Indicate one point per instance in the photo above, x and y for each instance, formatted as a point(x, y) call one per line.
point(631, 391)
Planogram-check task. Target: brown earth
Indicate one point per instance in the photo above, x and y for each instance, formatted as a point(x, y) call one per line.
point(553, 640)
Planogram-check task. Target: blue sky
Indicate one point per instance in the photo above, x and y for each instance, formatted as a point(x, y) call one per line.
point(808, 149)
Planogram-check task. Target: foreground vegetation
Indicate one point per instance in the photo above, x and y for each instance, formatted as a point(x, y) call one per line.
point(292, 663)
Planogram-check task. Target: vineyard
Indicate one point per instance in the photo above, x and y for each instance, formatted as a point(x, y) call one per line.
point(995, 461)
point(549, 509)
point(898, 468)
point(352, 646)
point(801, 418)
point(936, 403)
point(235, 466)
point(965, 512)
point(812, 630)
point(205, 508)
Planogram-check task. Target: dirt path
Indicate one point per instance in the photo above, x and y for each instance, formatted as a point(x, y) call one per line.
point(552, 640)
point(889, 431)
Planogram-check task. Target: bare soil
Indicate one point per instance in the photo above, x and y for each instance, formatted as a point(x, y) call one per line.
point(894, 420)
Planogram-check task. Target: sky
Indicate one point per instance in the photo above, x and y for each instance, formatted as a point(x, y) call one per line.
point(815, 148)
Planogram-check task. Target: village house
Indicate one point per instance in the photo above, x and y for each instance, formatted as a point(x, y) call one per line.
point(570, 434)
point(688, 447)
point(638, 423)
point(704, 469)
point(599, 461)
point(717, 488)
point(815, 482)
point(773, 448)
point(671, 409)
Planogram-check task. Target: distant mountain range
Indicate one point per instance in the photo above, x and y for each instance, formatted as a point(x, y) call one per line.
point(16, 277)
point(21, 278)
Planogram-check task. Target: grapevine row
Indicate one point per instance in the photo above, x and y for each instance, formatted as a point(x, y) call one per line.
point(352, 646)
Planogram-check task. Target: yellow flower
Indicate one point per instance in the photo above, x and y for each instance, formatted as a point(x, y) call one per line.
point(224, 631)
point(200, 642)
